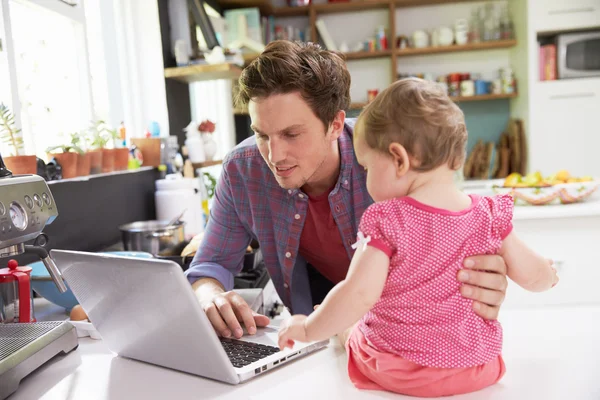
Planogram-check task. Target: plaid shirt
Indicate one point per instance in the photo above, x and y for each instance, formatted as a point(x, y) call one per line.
point(250, 204)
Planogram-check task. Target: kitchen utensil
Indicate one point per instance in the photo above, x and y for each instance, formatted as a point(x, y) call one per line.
point(445, 36)
point(420, 39)
point(16, 304)
point(461, 31)
point(174, 221)
point(153, 237)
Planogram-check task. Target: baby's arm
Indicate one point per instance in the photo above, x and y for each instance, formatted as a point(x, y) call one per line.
point(352, 298)
point(525, 267)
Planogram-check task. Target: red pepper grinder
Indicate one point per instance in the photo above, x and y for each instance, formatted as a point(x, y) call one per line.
point(16, 300)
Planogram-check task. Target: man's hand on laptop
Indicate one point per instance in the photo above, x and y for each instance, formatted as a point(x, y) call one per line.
point(227, 310)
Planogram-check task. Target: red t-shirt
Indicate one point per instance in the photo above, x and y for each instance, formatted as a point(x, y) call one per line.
point(321, 243)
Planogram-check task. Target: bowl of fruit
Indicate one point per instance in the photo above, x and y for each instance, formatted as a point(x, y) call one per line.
point(535, 189)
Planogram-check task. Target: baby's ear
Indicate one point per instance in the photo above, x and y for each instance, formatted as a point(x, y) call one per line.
point(401, 158)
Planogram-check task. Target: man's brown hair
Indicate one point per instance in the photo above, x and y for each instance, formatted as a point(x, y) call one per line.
point(420, 116)
point(320, 76)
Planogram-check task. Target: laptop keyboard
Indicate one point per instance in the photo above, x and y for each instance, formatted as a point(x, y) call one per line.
point(243, 353)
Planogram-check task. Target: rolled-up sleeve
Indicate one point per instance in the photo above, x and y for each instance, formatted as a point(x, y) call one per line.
point(221, 253)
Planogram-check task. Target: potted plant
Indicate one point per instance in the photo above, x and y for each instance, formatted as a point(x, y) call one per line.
point(94, 143)
point(83, 161)
point(102, 134)
point(68, 157)
point(18, 163)
point(121, 154)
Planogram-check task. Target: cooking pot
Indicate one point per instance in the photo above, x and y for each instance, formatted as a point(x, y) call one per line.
point(154, 237)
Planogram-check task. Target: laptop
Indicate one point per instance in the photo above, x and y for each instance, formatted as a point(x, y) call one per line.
point(146, 310)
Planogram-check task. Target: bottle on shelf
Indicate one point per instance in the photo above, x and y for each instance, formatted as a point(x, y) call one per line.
point(488, 22)
point(475, 26)
point(506, 24)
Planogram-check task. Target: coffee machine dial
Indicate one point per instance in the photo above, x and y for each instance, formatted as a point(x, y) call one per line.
point(18, 216)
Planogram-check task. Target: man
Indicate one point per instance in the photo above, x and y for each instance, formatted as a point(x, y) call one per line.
point(297, 188)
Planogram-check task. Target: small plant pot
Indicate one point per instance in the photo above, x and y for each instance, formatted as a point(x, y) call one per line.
point(83, 164)
point(68, 162)
point(21, 165)
point(121, 158)
point(95, 158)
point(108, 160)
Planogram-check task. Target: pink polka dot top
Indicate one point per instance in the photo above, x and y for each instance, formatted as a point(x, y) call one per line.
point(421, 315)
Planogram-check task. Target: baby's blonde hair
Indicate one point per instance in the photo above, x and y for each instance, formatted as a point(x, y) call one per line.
point(420, 116)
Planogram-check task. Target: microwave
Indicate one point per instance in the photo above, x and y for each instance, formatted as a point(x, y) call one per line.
point(578, 55)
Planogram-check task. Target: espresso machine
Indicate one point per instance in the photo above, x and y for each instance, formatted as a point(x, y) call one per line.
point(26, 206)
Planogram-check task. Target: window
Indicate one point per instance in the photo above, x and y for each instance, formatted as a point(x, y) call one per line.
point(64, 63)
point(53, 82)
point(46, 76)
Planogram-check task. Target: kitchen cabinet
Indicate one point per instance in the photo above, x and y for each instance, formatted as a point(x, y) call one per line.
point(566, 117)
point(571, 242)
point(558, 15)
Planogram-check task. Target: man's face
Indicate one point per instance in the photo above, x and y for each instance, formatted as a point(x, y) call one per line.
point(291, 139)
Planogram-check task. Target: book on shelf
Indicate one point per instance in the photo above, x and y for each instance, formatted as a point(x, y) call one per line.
point(329, 43)
point(547, 62)
point(272, 31)
point(253, 25)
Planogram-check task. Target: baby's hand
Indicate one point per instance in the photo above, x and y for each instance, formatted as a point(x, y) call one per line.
point(292, 329)
point(555, 274)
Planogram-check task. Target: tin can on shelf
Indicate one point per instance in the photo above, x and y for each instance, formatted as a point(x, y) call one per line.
point(371, 94)
point(496, 86)
point(481, 87)
point(454, 85)
point(467, 88)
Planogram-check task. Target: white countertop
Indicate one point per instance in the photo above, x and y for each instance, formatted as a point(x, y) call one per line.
point(550, 353)
point(577, 210)
point(588, 208)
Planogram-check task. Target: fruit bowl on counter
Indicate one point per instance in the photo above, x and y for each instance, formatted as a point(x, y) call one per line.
point(535, 189)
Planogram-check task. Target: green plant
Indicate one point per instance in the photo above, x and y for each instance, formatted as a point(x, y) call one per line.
point(100, 133)
point(9, 132)
point(73, 146)
point(210, 182)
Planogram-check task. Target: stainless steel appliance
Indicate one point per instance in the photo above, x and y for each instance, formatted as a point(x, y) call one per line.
point(578, 55)
point(154, 237)
point(26, 206)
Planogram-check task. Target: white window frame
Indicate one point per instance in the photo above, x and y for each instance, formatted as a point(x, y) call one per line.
point(134, 70)
point(74, 13)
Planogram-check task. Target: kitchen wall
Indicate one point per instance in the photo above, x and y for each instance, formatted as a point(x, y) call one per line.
point(91, 209)
point(486, 120)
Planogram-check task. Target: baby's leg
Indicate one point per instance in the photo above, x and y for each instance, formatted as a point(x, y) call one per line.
point(343, 336)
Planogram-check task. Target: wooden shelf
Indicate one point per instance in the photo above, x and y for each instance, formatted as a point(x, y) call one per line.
point(358, 105)
point(249, 57)
point(457, 99)
point(203, 72)
point(207, 164)
point(419, 3)
point(483, 97)
point(496, 44)
point(290, 11)
point(330, 8)
point(265, 7)
point(362, 55)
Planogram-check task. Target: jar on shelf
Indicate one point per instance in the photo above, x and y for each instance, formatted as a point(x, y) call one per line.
point(475, 26)
point(507, 79)
point(454, 84)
